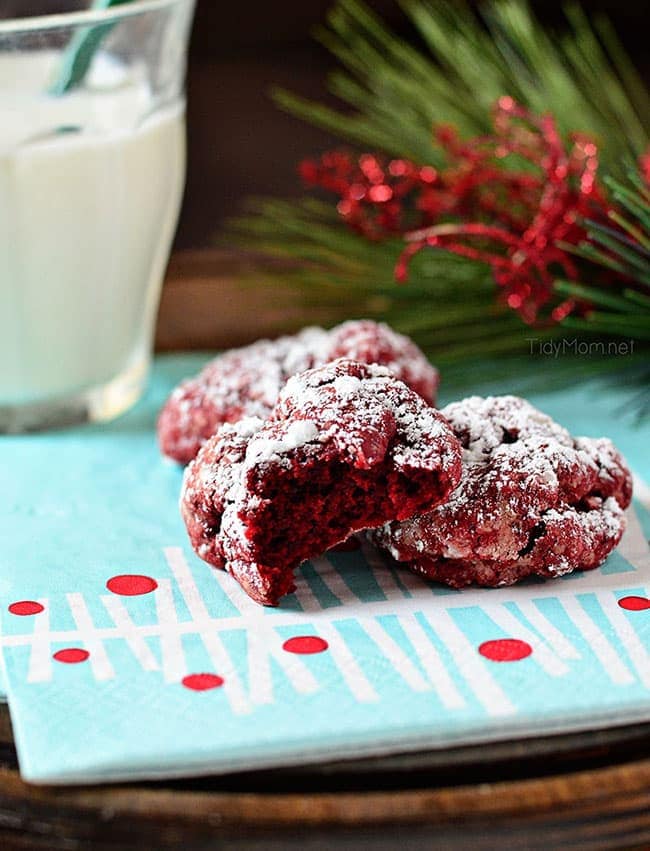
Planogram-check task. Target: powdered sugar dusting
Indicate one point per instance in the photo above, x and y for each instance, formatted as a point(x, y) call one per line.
point(247, 381)
point(483, 424)
point(296, 434)
point(371, 342)
point(346, 385)
point(532, 499)
point(382, 407)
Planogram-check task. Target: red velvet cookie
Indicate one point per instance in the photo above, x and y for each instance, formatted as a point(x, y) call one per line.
point(532, 500)
point(246, 382)
point(347, 447)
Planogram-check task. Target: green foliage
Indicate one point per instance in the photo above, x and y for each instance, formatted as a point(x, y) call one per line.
point(467, 60)
point(392, 94)
point(448, 306)
point(623, 249)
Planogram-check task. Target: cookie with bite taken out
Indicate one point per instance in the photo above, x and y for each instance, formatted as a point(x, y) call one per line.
point(346, 447)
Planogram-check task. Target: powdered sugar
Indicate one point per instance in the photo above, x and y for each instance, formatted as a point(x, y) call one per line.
point(247, 381)
point(382, 407)
point(371, 342)
point(297, 434)
point(483, 424)
point(531, 500)
point(346, 385)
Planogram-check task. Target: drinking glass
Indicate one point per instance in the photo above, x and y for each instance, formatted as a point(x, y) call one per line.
point(92, 169)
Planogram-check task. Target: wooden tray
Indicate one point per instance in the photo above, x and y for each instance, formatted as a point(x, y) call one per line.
point(583, 791)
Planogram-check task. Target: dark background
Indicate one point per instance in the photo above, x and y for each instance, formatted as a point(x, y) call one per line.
point(239, 143)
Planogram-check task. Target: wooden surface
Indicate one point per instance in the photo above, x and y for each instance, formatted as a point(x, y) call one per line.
point(587, 791)
point(583, 791)
point(206, 304)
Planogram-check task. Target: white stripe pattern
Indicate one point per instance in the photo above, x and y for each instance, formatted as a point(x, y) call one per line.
point(435, 655)
point(470, 665)
point(264, 644)
point(99, 661)
point(432, 663)
point(513, 627)
point(556, 639)
point(40, 658)
point(345, 661)
point(171, 645)
point(130, 632)
point(423, 647)
point(210, 638)
point(615, 667)
point(635, 649)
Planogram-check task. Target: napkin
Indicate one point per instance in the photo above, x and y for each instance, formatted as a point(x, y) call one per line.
point(127, 657)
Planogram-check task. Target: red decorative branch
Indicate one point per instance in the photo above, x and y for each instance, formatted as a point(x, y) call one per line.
point(507, 199)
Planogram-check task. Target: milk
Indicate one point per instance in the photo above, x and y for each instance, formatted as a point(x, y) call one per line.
point(90, 188)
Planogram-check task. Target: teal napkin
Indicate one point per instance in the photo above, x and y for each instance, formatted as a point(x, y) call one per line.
point(127, 657)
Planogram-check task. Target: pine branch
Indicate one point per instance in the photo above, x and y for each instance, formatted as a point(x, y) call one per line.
point(625, 249)
point(392, 95)
point(397, 91)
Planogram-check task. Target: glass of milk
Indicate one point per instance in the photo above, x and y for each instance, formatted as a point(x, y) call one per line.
point(92, 169)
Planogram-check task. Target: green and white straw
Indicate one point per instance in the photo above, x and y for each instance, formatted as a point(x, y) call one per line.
point(78, 55)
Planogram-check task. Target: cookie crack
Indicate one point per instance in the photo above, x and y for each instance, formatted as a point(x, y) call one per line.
point(509, 436)
point(538, 530)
